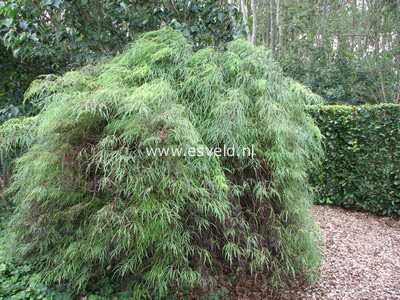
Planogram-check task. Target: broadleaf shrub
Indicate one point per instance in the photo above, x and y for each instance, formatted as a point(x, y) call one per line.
point(361, 168)
point(90, 204)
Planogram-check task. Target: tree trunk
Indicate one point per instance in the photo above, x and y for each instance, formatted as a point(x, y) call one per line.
point(278, 23)
point(245, 12)
point(382, 85)
point(254, 13)
point(271, 26)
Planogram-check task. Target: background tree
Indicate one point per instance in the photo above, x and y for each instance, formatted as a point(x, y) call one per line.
point(52, 36)
point(346, 51)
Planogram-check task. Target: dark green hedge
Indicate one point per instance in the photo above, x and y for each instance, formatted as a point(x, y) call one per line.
point(361, 168)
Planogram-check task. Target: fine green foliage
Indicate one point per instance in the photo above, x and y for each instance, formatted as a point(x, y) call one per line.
point(98, 207)
point(16, 135)
point(362, 164)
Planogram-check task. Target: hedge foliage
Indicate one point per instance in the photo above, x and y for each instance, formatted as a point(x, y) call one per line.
point(361, 168)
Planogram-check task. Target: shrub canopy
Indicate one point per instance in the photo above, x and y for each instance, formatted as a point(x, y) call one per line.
point(91, 204)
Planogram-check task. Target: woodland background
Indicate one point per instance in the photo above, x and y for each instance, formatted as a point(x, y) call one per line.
point(345, 51)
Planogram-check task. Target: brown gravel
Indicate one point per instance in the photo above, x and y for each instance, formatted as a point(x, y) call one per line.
point(361, 257)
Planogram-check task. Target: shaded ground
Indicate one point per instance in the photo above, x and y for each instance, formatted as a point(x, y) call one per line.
point(361, 257)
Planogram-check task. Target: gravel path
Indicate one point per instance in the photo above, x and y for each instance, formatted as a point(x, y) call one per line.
point(361, 257)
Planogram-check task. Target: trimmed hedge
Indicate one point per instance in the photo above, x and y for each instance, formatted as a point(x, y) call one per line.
point(361, 168)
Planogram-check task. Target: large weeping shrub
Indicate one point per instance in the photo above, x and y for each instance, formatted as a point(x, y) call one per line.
point(92, 204)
